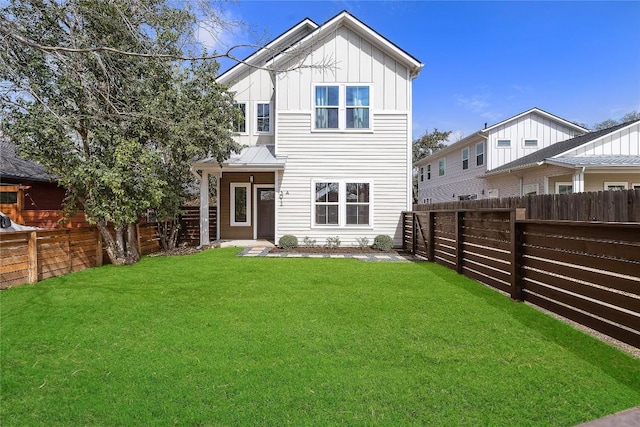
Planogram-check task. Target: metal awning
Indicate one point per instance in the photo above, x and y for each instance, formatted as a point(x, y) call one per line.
point(257, 157)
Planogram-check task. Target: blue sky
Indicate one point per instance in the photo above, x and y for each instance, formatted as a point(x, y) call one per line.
point(487, 61)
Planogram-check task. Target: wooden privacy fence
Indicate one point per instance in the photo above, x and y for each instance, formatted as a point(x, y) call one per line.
point(607, 206)
point(190, 225)
point(585, 271)
point(31, 256)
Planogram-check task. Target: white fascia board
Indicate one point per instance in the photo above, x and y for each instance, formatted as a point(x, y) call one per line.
point(346, 18)
point(260, 54)
point(542, 113)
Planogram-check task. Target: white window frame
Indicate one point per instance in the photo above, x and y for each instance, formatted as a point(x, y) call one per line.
point(421, 173)
point(493, 193)
point(271, 118)
point(342, 108)
point(232, 204)
point(480, 144)
point(246, 122)
point(465, 150)
point(568, 184)
point(503, 145)
point(635, 186)
point(429, 172)
point(442, 167)
point(615, 184)
point(342, 203)
point(534, 189)
point(525, 140)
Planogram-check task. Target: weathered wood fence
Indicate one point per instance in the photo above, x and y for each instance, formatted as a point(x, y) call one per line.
point(31, 256)
point(607, 206)
point(588, 272)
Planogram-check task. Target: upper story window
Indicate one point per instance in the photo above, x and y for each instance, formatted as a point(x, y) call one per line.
point(263, 117)
point(327, 103)
point(357, 98)
point(342, 107)
point(421, 174)
point(428, 172)
point(480, 154)
point(530, 143)
point(442, 164)
point(240, 119)
point(465, 158)
point(504, 143)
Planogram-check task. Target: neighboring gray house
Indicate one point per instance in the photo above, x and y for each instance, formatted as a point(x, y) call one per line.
point(328, 148)
point(459, 171)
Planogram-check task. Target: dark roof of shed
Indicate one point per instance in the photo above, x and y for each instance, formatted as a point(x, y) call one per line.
point(558, 148)
point(16, 167)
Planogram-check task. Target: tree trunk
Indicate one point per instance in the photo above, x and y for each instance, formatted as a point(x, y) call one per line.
point(133, 255)
point(120, 252)
point(168, 232)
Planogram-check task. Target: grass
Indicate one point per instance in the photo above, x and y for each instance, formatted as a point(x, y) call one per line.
point(214, 339)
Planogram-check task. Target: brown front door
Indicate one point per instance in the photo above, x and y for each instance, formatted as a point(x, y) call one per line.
point(266, 213)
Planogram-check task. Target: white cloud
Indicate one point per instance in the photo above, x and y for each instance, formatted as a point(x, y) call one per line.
point(478, 104)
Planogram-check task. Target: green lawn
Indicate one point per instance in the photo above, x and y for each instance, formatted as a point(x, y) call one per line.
point(215, 339)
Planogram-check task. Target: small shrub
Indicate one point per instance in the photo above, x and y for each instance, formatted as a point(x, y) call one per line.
point(333, 242)
point(288, 242)
point(308, 242)
point(363, 242)
point(383, 242)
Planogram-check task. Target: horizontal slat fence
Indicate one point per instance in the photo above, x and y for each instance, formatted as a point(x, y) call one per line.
point(588, 272)
point(31, 256)
point(605, 206)
point(190, 225)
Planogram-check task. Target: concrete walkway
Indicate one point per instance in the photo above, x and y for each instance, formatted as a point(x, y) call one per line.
point(628, 418)
point(253, 251)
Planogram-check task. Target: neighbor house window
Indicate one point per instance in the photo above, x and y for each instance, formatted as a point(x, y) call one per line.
point(442, 163)
point(615, 186)
point(428, 172)
point(9, 197)
point(263, 118)
point(327, 203)
point(465, 158)
point(357, 203)
point(421, 174)
point(468, 197)
point(504, 143)
point(564, 188)
point(480, 154)
point(530, 189)
point(327, 102)
point(530, 143)
point(357, 103)
point(635, 186)
point(342, 203)
point(240, 120)
point(493, 193)
point(240, 204)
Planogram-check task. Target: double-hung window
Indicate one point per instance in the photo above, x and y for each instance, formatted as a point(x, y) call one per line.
point(327, 103)
point(442, 165)
point(263, 117)
point(479, 154)
point(341, 203)
point(465, 158)
point(240, 118)
point(342, 107)
point(428, 172)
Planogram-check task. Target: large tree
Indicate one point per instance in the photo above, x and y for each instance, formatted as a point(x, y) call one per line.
point(97, 93)
point(427, 144)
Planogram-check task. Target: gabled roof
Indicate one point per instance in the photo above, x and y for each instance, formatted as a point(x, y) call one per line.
point(554, 150)
point(15, 167)
point(542, 113)
point(277, 50)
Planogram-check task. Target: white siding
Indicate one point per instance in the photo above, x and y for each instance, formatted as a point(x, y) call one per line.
point(380, 156)
point(528, 126)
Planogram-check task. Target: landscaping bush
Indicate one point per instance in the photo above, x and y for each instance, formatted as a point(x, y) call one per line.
point(363, 242)
point(333, 242)
point(288, 242)
point(383, 242)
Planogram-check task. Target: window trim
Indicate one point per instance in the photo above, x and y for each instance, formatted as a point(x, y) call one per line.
point(524, 142)
point(342, 108)
point(442, 166)
point(616, 184)
point(421, 173)
point(466, 149)
point(429, 172)
point(342, 203)
point(271, 121)
point(246, 128)
point(499, 140)
point(480, 144)
point(569, 184)
point(635, 186)
point(232, 204)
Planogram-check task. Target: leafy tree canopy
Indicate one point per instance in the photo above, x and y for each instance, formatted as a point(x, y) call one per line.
point(429, 143)
point(118, 130)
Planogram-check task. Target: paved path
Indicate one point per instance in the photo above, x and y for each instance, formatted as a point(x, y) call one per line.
point(628, 418)
point(371, 257)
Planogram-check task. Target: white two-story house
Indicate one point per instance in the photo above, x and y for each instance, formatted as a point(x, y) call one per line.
point(327, 129)
point(463, 170)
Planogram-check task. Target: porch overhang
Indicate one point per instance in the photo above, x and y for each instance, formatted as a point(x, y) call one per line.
point(258, 158)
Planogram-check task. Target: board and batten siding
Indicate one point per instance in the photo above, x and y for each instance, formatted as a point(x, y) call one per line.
point(379, 156)
point(626, 141)
point(349, 58)
point(529, 126)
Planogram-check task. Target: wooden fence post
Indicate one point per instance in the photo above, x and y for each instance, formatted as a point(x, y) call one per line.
point(414, 234)
point(459, 241)
point(32, 251)
point(515, 232)
point(431, 236)
point(69, 257)
point(99, 260)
